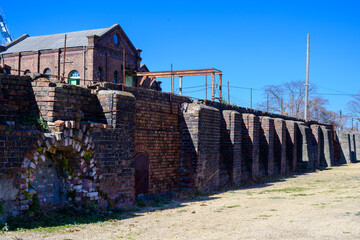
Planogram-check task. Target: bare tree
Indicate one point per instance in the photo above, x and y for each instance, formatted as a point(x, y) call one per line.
point(289, 99)
point(354, 106)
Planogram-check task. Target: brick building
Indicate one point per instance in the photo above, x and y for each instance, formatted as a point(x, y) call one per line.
point(91, 55)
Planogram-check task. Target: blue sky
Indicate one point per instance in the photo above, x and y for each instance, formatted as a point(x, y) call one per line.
point(254, 43)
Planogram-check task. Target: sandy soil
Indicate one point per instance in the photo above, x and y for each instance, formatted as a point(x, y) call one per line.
point(321, 205)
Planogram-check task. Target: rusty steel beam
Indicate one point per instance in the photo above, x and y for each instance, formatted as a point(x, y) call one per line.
point(220, 87)
point(152, 81)
point(213, 88)
point(172, 80)
point(178, 73)
point(175, 74)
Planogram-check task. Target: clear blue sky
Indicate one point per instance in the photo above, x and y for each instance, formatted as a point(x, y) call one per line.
point(254, 43)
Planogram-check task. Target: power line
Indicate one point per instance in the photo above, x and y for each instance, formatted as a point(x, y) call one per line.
point(287, 91)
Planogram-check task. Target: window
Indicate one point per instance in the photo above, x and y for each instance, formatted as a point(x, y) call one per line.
point(99, 74)
point(74, 77)
point(116, 77)
point(116, 39)
point(27, 72)
point(47, 71)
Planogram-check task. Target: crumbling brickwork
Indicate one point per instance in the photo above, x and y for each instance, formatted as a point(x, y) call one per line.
point(92, 139)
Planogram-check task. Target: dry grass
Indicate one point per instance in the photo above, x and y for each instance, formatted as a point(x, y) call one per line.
point(322, 205)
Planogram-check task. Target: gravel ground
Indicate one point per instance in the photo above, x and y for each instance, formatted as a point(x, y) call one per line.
point(321, 205)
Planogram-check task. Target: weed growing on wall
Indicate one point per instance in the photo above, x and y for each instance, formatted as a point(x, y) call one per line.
point(32, 119)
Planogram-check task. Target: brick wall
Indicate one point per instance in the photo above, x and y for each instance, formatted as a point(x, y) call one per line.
point(16, 98)
point(280, 146)
point(319, 141)
point(291, 145)
point(328, 160)
point(189, 145)
point(203, 126)
point(230, 161)
point(250, 139)
point(266, 156)
point(345, 149)
point(15, 142)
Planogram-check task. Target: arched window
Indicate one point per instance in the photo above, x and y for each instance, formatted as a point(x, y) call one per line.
point(116, 39)
point(74, 77)
point(47, 71)
point(116, 77)
point(99, 74)
point(27, 72)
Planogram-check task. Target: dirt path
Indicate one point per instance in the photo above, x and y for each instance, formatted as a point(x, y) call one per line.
point(321, 205)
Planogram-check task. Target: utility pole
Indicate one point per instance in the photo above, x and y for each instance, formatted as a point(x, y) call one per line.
point(307, 77)
point(340, 120)
point(251, 98)
point(267, 102)
point(228, 93)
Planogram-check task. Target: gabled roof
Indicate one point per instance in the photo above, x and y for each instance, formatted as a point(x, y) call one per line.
point(55, 41)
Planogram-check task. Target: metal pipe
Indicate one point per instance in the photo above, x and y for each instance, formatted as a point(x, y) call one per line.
point(124, 62)
point(180, 85)
point(84, 65)
point(205, 87)
point(251, 98)
point(220, 87)
point(172, 80)
point(213, 88)
point(228, 92)
point(307, 77)
point(64, 59)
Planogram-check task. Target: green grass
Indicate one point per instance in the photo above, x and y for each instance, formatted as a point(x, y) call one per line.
point(286, 190)
point(233, 206)
point(302, 195)
point(354, 197)
point(182, 210)
point(265, 216)
point(277, 198)
point(63, 218)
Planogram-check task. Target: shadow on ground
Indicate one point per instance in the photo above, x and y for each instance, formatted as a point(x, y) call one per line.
point(70, 216)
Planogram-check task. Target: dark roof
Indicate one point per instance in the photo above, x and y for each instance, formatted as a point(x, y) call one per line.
point(55, 41)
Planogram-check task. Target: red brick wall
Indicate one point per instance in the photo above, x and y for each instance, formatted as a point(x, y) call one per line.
point(280, 145)
point(291, 145)
point(230, 161)
point(267, 146)
point(251, 127)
